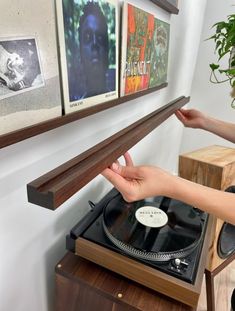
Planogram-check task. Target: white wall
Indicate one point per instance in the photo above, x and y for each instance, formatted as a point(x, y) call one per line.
point(32, 239)
point(213, 99)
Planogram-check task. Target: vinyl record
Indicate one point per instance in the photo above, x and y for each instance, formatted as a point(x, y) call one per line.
point(156, 229)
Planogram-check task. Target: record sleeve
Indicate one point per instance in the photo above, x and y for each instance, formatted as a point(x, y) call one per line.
point(137, 35)
point(29, 74)
point(159, 53)
point(88, 42)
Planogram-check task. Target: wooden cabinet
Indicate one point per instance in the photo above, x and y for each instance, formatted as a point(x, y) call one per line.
point(84, 286)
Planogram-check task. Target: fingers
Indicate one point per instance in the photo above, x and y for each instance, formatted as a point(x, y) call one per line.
point(117, 180)
point(128, 172)
point(180, 115)
point(128, 159)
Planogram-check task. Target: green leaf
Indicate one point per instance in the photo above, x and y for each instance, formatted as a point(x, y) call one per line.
point(218, 43)
point(212, 37)
point(214, 66)
point(228, 71)
point(233, 63)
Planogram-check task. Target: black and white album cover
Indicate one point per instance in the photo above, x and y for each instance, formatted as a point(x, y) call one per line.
point(20, 68)
point(29, 73)
point(88, 39)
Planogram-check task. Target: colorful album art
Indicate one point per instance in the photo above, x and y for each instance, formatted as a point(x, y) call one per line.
point(29, 72)
point(159, 54)
point(138, 30)
point(88, 36)
point(20, 68)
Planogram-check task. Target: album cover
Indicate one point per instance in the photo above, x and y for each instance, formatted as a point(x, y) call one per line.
point(88, 41)
point(29, 75)
point(137, 35)
point(20, 68)
point(159, 53)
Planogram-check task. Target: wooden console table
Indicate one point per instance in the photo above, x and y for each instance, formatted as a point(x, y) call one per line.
point(84, 286)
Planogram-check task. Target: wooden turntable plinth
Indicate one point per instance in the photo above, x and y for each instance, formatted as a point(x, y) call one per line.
point(85, 286)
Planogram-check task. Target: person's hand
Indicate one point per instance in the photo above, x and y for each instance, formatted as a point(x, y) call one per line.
point(137, 182)
point(191, 118)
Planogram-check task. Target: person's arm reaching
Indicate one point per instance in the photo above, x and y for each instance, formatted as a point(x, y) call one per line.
point(196, 119)
point(135, 183)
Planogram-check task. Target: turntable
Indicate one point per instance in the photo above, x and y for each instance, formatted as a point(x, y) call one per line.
point(158, 242)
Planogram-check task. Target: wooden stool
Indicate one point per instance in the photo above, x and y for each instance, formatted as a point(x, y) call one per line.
point(213, 166)
point(84, 286)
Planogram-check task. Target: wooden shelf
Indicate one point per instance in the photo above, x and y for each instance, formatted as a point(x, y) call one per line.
point(58, 185)
point(39, 128)
point(167, 5)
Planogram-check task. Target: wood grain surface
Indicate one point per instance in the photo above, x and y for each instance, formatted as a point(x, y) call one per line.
point(39, 128)
point(84, 286)
point(55, 187)
point(211, 166)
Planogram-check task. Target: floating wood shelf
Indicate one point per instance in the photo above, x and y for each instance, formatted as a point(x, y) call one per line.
point(39, 128)
point(58, 185)
point(167, 5)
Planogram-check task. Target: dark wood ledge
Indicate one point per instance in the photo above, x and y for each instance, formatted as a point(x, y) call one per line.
point(39, 128)
point(166, 5)
point(58, 185)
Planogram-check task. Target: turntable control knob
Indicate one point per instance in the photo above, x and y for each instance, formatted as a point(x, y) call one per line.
point(177, 262)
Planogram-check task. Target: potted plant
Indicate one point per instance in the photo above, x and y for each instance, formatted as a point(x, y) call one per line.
point(224, 38)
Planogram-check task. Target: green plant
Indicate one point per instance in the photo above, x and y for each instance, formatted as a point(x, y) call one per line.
point(224, 38)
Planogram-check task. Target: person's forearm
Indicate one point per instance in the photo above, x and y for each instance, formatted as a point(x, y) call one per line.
point(219, 203)
point(223, 129)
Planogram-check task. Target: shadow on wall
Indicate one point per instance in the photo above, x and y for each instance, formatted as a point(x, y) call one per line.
point(185, 39)
point(69, 214)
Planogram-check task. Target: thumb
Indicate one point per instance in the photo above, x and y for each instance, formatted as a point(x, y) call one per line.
point(130, 172)
point(180, 115)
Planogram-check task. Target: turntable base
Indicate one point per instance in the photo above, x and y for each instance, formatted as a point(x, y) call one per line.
point(82, 285)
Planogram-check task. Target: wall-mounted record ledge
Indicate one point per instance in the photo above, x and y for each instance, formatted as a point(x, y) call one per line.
point(58, 185)
point(39, 128)
point(166, 5)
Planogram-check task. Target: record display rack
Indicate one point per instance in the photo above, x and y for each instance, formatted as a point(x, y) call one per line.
point(45, 126)
point(167, 5)
point(55, 187)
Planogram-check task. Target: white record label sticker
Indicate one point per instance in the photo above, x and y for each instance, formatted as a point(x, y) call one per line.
point(151, 216)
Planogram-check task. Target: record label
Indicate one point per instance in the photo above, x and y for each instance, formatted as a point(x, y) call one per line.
point(151, 216)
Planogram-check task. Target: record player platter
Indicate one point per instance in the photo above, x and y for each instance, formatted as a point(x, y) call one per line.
point(156, 229)
point(160, 232)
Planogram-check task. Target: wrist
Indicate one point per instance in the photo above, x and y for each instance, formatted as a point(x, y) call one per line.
point(205, 122)
point(168, 185)
point(175, 187)
point(208, 124)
